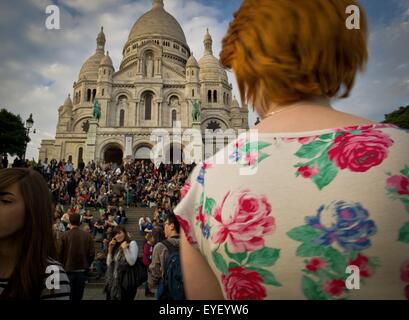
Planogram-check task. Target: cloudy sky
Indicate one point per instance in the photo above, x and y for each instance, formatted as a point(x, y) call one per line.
point(38, 66)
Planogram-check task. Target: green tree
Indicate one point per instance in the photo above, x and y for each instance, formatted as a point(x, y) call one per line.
point(399, 117)
point(13, 134)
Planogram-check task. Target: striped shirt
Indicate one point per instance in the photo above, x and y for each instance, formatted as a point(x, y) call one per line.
point(56, 283)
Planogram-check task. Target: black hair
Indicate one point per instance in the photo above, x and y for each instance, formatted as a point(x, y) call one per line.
point(171, 219)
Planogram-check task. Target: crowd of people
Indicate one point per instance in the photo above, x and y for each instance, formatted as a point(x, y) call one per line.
point(90, 220)
point(108, 190)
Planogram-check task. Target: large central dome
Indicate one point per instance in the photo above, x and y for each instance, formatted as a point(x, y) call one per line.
point(157, 22)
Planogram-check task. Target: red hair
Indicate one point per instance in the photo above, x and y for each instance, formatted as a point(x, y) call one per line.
point(283, 51)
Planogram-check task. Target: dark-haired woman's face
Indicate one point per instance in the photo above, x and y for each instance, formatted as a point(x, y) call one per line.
point(120, 237)
point(12, 211)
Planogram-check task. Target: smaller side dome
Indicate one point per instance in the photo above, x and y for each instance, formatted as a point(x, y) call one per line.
point(192, 62)
point(66, 108)
point(68, 102)
point(235, 103)
point(106, 60)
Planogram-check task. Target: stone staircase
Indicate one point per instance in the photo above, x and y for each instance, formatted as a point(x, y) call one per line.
point(132, 227)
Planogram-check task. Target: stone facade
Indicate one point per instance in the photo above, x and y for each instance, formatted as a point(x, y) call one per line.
point(154, 88)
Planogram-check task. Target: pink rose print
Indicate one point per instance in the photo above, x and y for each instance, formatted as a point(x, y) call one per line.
point(186, 229)
point(251, 158)
point(243, 219)
point(201, 217)
point(398, 183)
point(302, 140)
point(207, 165)
point(316, 264)
point(185, 189)
point(239, 143)
point(367, 127)
point(308, 172)
point(404, 271)
point(362, 263)
point(360, 152)
point(334, 288)
point(242, 284)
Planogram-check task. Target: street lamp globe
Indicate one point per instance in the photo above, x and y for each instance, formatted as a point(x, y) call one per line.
point(30, 121)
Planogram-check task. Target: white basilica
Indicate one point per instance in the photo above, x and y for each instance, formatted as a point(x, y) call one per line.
point(154, 88)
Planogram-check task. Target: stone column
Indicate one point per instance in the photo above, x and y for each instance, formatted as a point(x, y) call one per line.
point(128, 146)
point(159, 114)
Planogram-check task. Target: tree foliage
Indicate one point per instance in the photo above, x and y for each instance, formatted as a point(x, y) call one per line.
point(13, 135)
point(399, 117)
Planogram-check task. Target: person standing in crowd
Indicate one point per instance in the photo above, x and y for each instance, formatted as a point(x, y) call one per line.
point(121, 216)
point(71, 186)
point(143, 224)
point(27, 250)
point(147, 259)
point(328, 190)
point(77, 253)
point(81, 165)
point(165, 256)
point(99, 227)
point(5, 162)
point(122, 254)
point(68, 167)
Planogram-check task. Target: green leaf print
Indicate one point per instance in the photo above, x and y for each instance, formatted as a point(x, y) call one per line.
point(209, 204)
point(268, 277)
point(261, 157)
point(304, 233)
point(311, 289)
point(405, 171)
point(405, 202)
point(328, 136)
point(233, 265)
point(353, 255)
point(219, 262)
point(309, 250)
point(404, 233)
point(263, 257)
point(327, 172)
point(254, 146)
point(311, 150)
point(336, 260)
point(239, 257)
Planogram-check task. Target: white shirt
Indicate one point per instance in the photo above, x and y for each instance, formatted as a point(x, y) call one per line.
point(131, 254)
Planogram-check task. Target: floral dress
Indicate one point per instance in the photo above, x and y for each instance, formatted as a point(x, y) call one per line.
point(314, 215)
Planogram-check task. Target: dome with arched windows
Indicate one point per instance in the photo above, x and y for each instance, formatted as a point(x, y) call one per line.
point(89, 69)
point(157, 21)
point(210, 67)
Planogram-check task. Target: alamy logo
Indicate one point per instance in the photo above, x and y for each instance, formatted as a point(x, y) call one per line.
point(53, 20)
point(353, 281)
point(354, 20)
point(53, 280)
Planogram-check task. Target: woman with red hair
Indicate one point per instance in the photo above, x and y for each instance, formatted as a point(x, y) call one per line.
point(317, 207)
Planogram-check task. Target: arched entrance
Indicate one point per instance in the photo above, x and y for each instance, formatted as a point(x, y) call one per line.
point(143, 153)
point(113, 153)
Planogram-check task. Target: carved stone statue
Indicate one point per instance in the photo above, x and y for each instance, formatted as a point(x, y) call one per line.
point(174, 102)
point(196, 110)
point(149, 67)
point(85, 126)
point(96, 110)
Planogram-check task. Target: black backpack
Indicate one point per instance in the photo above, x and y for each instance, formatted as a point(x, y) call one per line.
point(173, 281)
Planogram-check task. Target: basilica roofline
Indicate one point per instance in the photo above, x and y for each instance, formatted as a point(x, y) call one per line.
point(145, 39)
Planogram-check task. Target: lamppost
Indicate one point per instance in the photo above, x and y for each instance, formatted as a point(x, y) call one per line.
point(29, 125)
